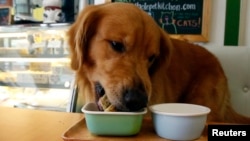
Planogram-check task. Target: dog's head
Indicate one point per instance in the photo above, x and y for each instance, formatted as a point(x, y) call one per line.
point(117, 48)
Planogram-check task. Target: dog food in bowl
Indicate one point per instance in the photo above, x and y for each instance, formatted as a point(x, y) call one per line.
point(112, 123)
point(179, 121)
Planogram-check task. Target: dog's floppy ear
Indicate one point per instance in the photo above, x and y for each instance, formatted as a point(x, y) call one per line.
point(163, 59)
point(80, 33)
point(166, 47)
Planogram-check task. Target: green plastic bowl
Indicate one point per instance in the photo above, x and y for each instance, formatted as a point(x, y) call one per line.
point(112, 123)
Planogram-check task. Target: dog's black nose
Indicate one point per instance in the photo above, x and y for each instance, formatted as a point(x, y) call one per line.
point(135, 99)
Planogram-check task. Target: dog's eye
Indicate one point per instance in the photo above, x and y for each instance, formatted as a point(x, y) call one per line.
point(151, 58)
point(117, 46)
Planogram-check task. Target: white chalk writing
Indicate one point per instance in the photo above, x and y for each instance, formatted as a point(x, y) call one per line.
point(166, 6)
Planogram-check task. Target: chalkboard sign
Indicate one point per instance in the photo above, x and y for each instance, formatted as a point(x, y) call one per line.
point(183, 19)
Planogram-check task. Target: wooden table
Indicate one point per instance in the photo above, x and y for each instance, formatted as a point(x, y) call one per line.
point(35, 125)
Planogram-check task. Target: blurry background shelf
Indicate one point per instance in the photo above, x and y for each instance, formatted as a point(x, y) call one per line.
point(34, 66)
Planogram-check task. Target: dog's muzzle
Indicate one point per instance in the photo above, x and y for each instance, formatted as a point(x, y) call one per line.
point(132, 99)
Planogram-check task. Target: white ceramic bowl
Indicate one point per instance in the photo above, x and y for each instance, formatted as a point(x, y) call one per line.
point(179, 121)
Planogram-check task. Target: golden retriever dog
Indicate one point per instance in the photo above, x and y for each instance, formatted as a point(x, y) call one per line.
point(119, 51)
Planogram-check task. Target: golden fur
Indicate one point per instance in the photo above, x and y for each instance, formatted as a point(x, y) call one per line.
point(169, 70)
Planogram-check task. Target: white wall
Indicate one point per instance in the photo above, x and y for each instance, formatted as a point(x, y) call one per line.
point(247, 26)
point(217, 28)
point(217, 23)
point(245, 21)
point(99, 1)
